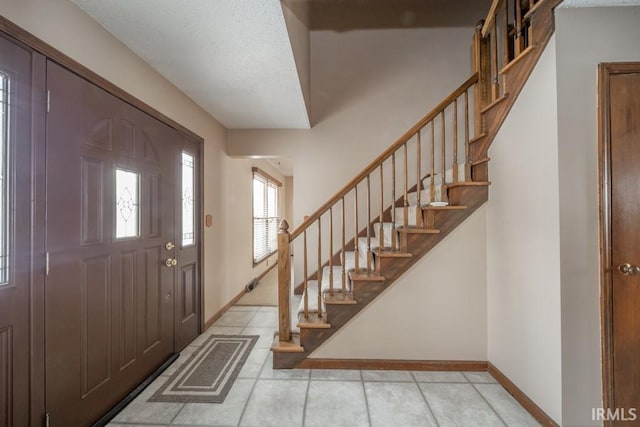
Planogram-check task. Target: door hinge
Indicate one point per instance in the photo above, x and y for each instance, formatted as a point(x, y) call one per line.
point(48, 101)
point(46, 264)
point(46, 420)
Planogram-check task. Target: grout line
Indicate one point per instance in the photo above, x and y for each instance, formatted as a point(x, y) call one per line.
point(366, 400)
point(177, 413)
point(433, 415)
point(244, 409)
point(306, 398)
point(489, 404)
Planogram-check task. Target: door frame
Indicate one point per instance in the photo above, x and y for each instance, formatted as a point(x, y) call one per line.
point(605, 71)
point(45, 51)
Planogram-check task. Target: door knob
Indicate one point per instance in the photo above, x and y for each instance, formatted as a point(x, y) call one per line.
point(628, 269)
point(171, 262)
point(169, 245)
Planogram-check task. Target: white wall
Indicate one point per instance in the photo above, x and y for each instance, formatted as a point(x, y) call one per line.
point(434, 311)
point(367, 88)
point(523, 244)
point(64, 26)
point(585, 38)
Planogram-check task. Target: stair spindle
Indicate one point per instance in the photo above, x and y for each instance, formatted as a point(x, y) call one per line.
point(368, 223)
point(455, 140)
point(355, 238)
point(444, 159)
point(319, 275)
point(406, 187)
point(381, 235)
point(495, 93)
point(432, 178)
point(518, 42)
point(306, 275)
point(331, 249)
point(419, 178)
point(467, 148)
point(394, 245)
point(505, 33)
point(343, 257)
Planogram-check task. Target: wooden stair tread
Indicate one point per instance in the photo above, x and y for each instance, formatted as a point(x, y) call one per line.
point(292, 346)
point(367, 276)
point(313, 322)
point(339, 298)
point(417, 230)
point(478, 138)
point(480, 161)
point(494, 103)
point(391, 254)
point(469, 184)
point(444, 208)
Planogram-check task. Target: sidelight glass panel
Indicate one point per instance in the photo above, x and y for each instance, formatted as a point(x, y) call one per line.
point(4, 187)
point(188, 212)
point(127, 204)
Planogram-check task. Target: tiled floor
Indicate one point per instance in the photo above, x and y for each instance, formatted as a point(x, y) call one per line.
point(263, 397)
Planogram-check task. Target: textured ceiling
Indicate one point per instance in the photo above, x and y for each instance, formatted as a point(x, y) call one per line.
point(232, 57)
point(598, 3)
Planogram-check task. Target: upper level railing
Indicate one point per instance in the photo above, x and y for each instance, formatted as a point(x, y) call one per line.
point(414, 171)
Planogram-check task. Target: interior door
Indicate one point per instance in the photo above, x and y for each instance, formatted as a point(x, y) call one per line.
point(187, 309)
point(15, 231)
point(110, 214)
point(624, 107)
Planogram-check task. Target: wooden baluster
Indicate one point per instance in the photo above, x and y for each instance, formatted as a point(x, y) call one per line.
point(381, 219)
point(368, 223)
point(443, 189)
point(284, 282)
point(419, 179)
point(432, 179)
point(394, 235)
point(467, 148)
point(343, 258)
point(355, 238)
point(495, 92)
point(505, 33)
point(518, 43)
point(306, 276)
point(331, 249)
point(530, 29)
point(478, 87)
point(319, 274)
point(406, 187)
point(455, 140)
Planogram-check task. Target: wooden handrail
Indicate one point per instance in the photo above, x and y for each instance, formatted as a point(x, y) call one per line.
point(385, 155)
point(490, 17)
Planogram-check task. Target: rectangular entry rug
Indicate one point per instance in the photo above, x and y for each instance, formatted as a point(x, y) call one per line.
point(209, 373)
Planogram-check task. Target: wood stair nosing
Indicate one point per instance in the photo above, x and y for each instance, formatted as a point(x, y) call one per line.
point(391, 254)
point(366, 276)
point(469, 184)
point(444, 208)
point(313, 321)
point(292, 346)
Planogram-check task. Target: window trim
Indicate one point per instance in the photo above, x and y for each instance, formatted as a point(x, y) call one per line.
point(268, 180)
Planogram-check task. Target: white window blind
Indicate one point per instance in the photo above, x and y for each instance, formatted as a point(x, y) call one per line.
point(266, 219)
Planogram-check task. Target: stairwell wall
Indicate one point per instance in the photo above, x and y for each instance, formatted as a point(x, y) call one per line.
point(523, 243)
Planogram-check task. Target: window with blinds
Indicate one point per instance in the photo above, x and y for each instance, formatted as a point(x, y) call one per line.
point(265, 215)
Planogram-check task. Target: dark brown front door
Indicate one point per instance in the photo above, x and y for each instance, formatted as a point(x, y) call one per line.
point(110, 226)
point(623, 90)
point(15, 231)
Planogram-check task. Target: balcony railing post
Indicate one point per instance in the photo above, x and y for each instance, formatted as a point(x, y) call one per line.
point(284, 283)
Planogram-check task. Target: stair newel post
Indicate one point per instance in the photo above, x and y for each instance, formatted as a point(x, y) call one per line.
point(467, 152)
point(406, 188)
point(331, 249)
point(419, 179)
point(306, 278)
point(482, 66)
point(369, 223)
point(455, 140)
point(394, 234)
point(432, 172)
point(519, 45)
point(319, 273)
point(443, 187)
point(356, 250)
point(381, 236)
point(342, 257)
point(284, 283)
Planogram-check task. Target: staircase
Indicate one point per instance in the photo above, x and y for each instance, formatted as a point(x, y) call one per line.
point(411, 196)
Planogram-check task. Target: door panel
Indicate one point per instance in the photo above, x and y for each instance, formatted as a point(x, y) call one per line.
point(110, 211)
point(625, 236)
point(15, 232)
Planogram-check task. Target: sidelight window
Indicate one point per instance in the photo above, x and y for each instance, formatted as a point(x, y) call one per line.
point(188, 212)
point(4, 185)
point(265, 215)
point(127, 204)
